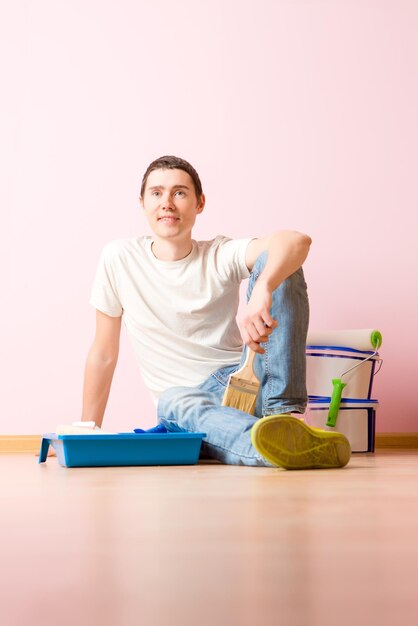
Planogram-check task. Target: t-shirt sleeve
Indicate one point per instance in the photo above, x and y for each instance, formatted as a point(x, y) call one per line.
point(231, 258)
point(104, 293)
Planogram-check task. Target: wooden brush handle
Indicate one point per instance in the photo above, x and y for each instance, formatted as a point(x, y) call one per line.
point(247, 370)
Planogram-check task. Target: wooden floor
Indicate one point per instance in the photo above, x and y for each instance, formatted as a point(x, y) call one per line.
point(209, 544)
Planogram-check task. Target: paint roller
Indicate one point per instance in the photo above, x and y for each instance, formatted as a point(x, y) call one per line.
point(359, 339)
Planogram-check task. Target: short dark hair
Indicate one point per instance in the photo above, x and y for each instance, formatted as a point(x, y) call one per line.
point(173, 163)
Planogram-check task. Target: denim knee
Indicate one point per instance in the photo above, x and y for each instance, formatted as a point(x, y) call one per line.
point(167, 402)
point(174, 402)
point(260, 264)
point(293, 285)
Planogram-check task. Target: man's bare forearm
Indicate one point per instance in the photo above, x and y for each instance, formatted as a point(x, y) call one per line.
point(98, 377)
point(286, 253)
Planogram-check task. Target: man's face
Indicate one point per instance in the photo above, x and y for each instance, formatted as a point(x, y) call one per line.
point(170, 203)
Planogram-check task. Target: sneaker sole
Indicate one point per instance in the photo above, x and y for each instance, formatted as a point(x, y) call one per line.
point(288, 442)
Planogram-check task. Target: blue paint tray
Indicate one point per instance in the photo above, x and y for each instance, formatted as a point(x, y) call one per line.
point(123, 449)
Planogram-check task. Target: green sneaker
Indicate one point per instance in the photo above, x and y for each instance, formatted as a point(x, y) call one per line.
point(288, 442)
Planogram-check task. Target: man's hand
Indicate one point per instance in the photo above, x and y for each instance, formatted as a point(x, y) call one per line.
point(257, 324)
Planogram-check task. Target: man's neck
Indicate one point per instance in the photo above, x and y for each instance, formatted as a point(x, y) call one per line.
point(165, 250)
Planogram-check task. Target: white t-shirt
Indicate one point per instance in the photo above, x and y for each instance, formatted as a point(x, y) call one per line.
point(180, 315)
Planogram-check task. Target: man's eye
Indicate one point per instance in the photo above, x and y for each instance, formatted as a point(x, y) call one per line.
point(155, 193)
point(180, 193)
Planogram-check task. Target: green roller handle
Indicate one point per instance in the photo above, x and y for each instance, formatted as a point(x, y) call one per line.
point(334, 406)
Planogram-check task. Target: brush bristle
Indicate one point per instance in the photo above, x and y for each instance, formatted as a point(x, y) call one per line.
point(239, 399)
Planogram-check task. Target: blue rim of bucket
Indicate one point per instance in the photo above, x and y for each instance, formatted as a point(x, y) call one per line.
point(327, 400)
point(354, 350)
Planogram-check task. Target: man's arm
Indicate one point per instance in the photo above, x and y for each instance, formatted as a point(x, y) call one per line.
point(100, 366)
point(287, 250)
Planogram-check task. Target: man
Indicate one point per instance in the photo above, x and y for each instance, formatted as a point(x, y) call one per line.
point(179, 301)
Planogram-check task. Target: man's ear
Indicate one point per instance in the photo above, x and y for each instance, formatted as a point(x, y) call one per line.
point(201, 203)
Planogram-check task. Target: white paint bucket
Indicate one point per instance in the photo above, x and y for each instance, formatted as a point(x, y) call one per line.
point(326, 363)
point(356, 420)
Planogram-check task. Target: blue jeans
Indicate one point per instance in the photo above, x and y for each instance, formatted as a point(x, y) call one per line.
point(281, 371)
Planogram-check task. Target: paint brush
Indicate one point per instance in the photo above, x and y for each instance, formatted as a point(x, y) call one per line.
point(243, 386)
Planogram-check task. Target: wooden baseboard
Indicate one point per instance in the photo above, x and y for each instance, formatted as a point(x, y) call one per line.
point(32, 443)
point(403, 441)
point(20, 443)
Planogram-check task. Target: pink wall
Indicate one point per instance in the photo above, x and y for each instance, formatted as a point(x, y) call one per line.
point(296, 114)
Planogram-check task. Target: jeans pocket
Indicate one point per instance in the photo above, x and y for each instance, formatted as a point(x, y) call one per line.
point(222, 375)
